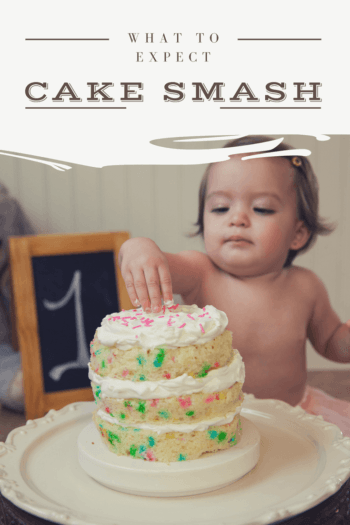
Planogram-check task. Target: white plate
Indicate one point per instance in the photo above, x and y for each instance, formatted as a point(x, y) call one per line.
point(148, 478)
point(303, 460)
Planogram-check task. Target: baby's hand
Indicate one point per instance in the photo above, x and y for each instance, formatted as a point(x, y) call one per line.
point(145, 271)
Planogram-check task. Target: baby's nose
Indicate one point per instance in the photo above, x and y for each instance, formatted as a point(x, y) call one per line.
point(239, 217)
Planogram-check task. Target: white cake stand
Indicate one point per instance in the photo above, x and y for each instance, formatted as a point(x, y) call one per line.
point(145, 478)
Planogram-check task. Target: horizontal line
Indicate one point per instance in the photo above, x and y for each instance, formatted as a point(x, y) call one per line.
point(279, 38)
point(77, 107)
point(263, 107)
point(67, 39)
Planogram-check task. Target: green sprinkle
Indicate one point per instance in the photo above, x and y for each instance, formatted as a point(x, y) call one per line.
point(133, 450)
point(122, 416)
point(141, 360)
point(159, 358)
point(151, 441)
point(232, 438)
point(222, 436)
point(182, 458)
point(98, 351)
point(142, 378)
point(203, 372)
point(98, 391)
point(142, 448)
point(190, 413)
point(103, 364)
point(112, 437)
point(212, 434)
point(142, 408)
point(127, 404)
point(137, 429)
point(164, 414)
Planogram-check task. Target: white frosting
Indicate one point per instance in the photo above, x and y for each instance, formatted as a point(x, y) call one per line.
point(178, 325)
point(174, 427)
point(215, 381)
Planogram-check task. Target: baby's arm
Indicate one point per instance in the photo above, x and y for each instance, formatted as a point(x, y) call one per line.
point(329, 336)
point(147, 270)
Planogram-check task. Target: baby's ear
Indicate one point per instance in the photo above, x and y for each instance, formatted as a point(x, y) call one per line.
point(301, 236)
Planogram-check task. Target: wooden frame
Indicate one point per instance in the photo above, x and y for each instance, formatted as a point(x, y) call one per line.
point(22, 249)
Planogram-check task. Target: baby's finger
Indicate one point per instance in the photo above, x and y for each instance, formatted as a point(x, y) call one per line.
point(165, 283)
point(153, 285)
point(142, 290)
point(130, 287)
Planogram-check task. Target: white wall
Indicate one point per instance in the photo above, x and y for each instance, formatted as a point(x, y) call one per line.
point(161, 202)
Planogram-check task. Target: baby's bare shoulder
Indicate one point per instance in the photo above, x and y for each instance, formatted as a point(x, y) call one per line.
point(195, 259)
point(305, 281)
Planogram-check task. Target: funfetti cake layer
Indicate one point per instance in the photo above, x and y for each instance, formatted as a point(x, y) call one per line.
point(169, 382)
point(146, 347)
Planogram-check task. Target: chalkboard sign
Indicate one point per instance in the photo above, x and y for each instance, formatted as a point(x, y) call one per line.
point(63, 285)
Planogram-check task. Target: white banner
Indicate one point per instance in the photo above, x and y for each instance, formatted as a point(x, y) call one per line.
point(100, 84)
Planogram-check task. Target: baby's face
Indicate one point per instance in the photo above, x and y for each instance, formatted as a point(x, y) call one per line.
point(250, 215)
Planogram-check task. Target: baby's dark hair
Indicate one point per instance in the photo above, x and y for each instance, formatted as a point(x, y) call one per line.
point(306, 187)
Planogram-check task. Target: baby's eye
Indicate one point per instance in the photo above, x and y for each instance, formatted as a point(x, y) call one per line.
point(264, 211)
point(220, 209)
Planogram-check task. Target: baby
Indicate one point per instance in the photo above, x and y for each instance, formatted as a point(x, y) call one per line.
point(255, 216)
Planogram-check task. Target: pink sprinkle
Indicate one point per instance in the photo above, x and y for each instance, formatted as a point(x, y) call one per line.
point(202, 328)
point(173, 359)
point(216, 364)
point(150, 456)
point(125, 373)
point(185, 402)
point(138, 326)
point(182, 325)
point(217, 397)
point(136, 336)
point(209, 399)
point(167, 376)
point(164, 309)
point(154, 402)
point(190, 316)
point(110, 359)
point(108, 410)
point(161, 316)
point(204, 309)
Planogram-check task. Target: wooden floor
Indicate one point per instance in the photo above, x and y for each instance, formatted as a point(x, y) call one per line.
point(335, 383)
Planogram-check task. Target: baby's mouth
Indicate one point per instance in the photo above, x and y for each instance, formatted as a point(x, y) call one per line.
point(236, 239)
